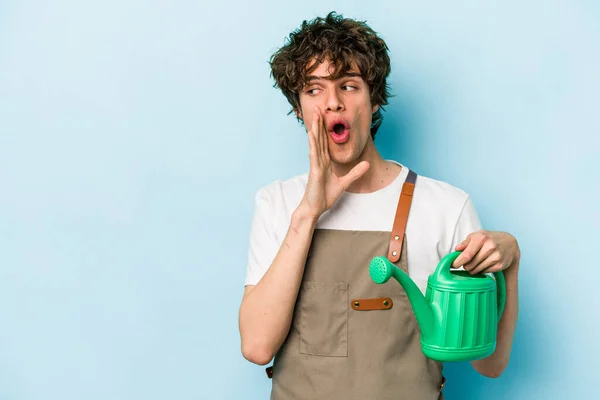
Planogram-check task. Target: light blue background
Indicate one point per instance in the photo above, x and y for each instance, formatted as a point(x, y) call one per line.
point(134, 134)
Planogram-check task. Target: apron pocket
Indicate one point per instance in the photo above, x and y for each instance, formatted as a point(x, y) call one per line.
point(324, 319)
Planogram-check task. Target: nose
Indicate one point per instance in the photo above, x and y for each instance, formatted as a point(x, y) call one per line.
point(334, 101)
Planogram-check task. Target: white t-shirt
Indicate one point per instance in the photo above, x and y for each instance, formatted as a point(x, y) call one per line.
point(441, 216)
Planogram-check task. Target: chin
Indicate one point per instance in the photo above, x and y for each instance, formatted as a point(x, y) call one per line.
point(349, 155)
point(344, 158)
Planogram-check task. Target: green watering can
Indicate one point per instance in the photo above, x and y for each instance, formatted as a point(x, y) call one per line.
point(458, 316)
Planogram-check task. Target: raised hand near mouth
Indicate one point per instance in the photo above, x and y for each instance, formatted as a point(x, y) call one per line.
point(324, 187)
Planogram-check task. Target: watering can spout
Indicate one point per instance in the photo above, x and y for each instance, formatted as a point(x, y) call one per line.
point(381, 270)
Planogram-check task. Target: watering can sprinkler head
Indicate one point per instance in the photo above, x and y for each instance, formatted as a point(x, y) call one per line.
point(381, 270)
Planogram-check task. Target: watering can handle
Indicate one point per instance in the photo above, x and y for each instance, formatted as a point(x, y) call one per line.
point(501, 292)
point(443, 272)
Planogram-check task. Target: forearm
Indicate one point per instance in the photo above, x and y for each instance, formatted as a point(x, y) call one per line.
point(494, 365)
point(267, 309)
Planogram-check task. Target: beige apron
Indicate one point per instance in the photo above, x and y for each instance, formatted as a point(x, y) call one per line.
point(350, 338)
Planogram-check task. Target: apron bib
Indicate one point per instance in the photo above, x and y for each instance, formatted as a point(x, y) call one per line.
point(351, 338)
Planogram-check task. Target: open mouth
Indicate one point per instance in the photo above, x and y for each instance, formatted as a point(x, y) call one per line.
point(339, 130)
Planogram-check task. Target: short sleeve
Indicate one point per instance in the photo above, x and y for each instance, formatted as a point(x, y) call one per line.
point(468, 222)
point(263, 243)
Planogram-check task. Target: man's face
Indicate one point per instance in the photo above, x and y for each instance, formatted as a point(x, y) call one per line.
point(345, 106)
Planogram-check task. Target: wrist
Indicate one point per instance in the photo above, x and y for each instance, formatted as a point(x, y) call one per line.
point(302, 216)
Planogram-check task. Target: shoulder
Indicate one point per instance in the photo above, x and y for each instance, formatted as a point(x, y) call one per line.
point(434, 199)
point(441, 191)
point(289, 187)
point(282, 194)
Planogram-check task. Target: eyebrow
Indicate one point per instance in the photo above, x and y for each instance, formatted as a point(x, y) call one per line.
point(346, 75)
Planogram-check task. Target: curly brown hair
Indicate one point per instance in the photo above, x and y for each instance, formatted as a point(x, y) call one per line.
point(345, 43)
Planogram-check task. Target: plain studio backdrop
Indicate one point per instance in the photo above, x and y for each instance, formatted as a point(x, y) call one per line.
point(134, 135)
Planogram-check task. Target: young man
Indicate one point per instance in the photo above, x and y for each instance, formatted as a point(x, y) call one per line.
point(309, 301)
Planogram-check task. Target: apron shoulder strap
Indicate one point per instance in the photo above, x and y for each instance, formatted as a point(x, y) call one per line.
point(408, 187)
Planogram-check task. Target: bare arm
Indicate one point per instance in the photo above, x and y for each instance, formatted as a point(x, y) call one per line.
point(494, 365)
point(485, 252)
point(267, 308)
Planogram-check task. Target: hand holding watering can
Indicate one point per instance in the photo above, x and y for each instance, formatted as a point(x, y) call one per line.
point(458, 316)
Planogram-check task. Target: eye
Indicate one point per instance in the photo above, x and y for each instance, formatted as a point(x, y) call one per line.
point(349, 88)
point(312, 92)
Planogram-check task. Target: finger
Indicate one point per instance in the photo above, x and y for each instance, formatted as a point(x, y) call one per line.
point(321, 138)
point(312, 151)
point(315, 128)
point(462, 258)
point(480, 260)
point(490, 264)
point(473, 247)
point(462, 245)
point(325, 138)
point(355, 173)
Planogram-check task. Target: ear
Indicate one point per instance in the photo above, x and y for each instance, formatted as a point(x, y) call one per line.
point(298, 113)
point(375, 108)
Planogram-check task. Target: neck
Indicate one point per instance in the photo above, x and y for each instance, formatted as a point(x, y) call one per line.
point(380, 174)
